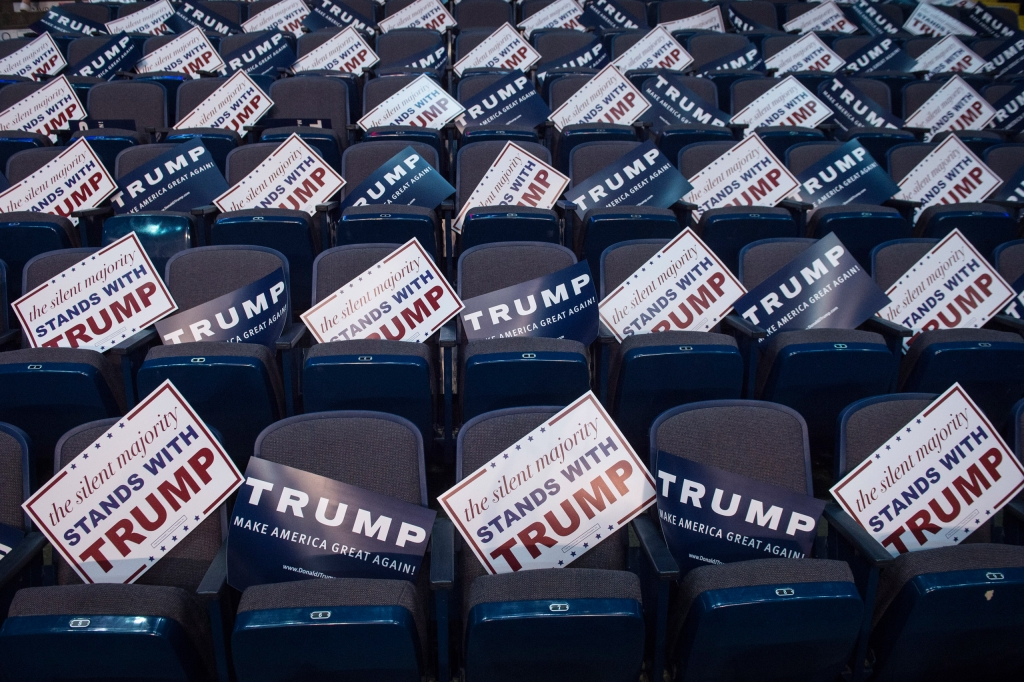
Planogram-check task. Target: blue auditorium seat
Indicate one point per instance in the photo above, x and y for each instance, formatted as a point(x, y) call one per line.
point(20, 562)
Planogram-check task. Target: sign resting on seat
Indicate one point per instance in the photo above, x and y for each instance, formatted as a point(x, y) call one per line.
point(180, 179)
point(826, 17)
point(285, 16)
point(149, 20)
point(608, 97)
point(954, 106)
point(190, 53)
point(47, 110)
point(238, 102)
point(503, 49)
point(808, 53)
point(656, 50)
point(346, 51)
point(406, 179)
point(422, 103)
point(788, 103)
point(38, 59)
point(559, 14)
point(710, 20)
point(428, 14)
point(950, 174)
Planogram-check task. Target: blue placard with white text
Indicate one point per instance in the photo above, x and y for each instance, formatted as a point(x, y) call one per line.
point(59, 20)
point(590, 56)
point(745, 59)
point(849, 175)
point(188, 16)
point(120, 53)
point(851, 108)
point(607, 14)
point(1016, 307)
point(328, 13)
point(181, 179)
point(881, 54)
point(871, 20)
point(673, 103)
point(1012, 189)
point(263, 55)
point(1007, 59)
point(405, 179)
point(511, 100)
point(1010, 110)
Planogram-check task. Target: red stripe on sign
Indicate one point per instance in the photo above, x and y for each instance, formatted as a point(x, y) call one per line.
point(636, 510)
point(132, 576)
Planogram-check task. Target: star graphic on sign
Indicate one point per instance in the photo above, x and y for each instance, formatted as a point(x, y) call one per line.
point(94, 257)
point(561, 563)
point(152, 559)
point(197, 518)
point(73, 466)
point(598, 536)
point(572, 553)
point(506, 455)
point(542, 429)
point(360, 279)
point(120, 426)
point(97, 446)
point(163, 549)
point(611, 527)
point(585, 545)
point(878, 456)
point(85, 455)
point(918, 421)
point(987, 513)
point(977, 520)
point(174, 538)
point(72, 269)
point(530, 438)
point(184, 528)
point(493, 465)
point(643, 269)
point(908, 429)
point(110, 435)
point(898, 439)
point(518, 447)
point(63, 275)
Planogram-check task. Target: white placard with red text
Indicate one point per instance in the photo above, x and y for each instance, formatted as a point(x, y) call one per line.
point(74, 180)
point(656, 50)
point(429, 14)
point(926, 20)
point(949, 55)
point(39, 58)
point(189, 53)
point(346, 51)
point(503, 49)
point(608, 97)
point(238, 102)
point(825, 17)
point(47, 110)
point(808, 53)
point(559, 14)
point(950, 174)
point(710, 20)
point(149, 20)
point(954, 106)
point(285, 16)
point(422, 104)
point(787, 104)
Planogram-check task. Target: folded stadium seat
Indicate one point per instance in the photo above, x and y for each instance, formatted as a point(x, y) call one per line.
point(472, 83)
point(234, 387)
point(664, 12)
point(528, 8)
point(12, 45)
point(140, 101)
point(914, 97)
point(219, 141)
point(707, 48)
point(554, 46)
point(727, 230)
point(14, 141)
point(521, 370)
point(674, 137)
point(984, 225)
point(986, 362)
point(398, 47)
point(650, 373)
point(376, 90)
point(309, 42)
point(763, 13)
point(724, 618)
point(46, 391)
point(171, 80)
point(382, 375)
point(571, 136)
point(894, 80)
point(373, 626)
point(312, 97)
point(600, 636)
point(161, 233)
point(621, 41)
point(80, 48)
point(25, 556)
point(817, 372)
point(772, 45)
point(602, 227)
point(860, 227)
point(876, 140)
point(467, 39)
point(778, 138)
point(490, 14)
point(1009, 260)
point(934, 615)
point(486, 224)
point(983, 46)
point(168, 619)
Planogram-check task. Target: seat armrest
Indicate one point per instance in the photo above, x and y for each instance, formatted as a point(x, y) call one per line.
point(744, 327)
point(1015, 508)
point(19, 558)
point(135, 342)
point(9, 337)
point(204, 210)
point(442, 554)
point(447, 206)
point(327, 206)
point(886, 328)
point(655, 548)
point(854, 533)
point(291, 336)
point(919, 133)
point(98, 212)
point(448, 338)
point(1008, 323)
point(216, 578)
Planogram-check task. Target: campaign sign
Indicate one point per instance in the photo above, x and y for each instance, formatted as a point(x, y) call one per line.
point(429, 14)
point(673, 103)
point(263, 55)
point(954, 106)
point(294, 176)
point(787, 104)
point(590, 56)
point(47, 110)
point(746, 175)
point(656, 50)
point(432, 58)
point(278, 534)
point(608, 97)
point(1016, 307)
point(178, 180)
point(950, 174)
point(150, 20)
point(881, 54)
point(540, 505)
point(745, 59)
point(187, 16)
point(327, 13)
point(745, 24)
point(926, 20)
point(1010, 110)
point(74, 180)
point(684, 287)
point(422, 104)
point(1012, 190)
point(936, 481)
point(710, 20)
point(503, 49)
point(516, 178)
point(949, 55)
point(219, 319)
point(825, 17)
point(808, 53)
point(559, 14)
point(60, 20)
point(511, 100)
point(988, 24)
point(871, 20)
point(10, 537)
point(1006, 59)
point(952, 286)
point(607, 14)
point(562, 305)
point(851, 108)
point(824, 287)
point(120, 53)
point(39, 58)
point(406, 179)
point(404, 297)
point(849, 175)
point(238, 102)
point(130, 497)
point(190, 53)
point(285, 16)
point(641, 177)
point(759, 521)
point(346, 51)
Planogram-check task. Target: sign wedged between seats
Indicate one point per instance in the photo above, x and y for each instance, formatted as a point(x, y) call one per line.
point(426, 14)
point(503, 49)
point(788, 103)
point(954, 106)
point(845, 176)
point(180, 179)
point(190, 53)
point(238, 102)
point(510, 100)
point(50, 108)
point(950, 174)
point(120, 53)
point(608, 97)
point(406, 179)
point(422, 103)
point(150, 20)
point(673, 103)
point(38, 59)
point(346, 51)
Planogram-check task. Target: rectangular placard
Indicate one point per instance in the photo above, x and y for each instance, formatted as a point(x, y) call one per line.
point(346, 51)
point(422, 104)
point(404, 297)
point(238, 102)
point(950, 174)
point(1006, 59)
point(285, 16)
point(849, 175)
point(826, 17)
point(73, 180)
point(593, 55)
point(559, 14)
point(503, 49)
point(180, 179)
point(711, 20)
point(511, 100)
point(851, 108)
point(926, 20)
point(187, 15)
point(673, 102)
point(189, 53)
point(808, 53)
point(880, 54)
point(135, 493)
point(656, 50)
point(428, 14)
point(327, 13)
point(60, 20)
point(683, 287)
point(406, 179)
point(954, 106)
point(949, 55)
point(608, 97)
point(47, 110)
point(263, 55)
point(871, 20)
point(567, 502)
point(38, 59)
point(787, 104)
point(149, 20)
point(1010, 110)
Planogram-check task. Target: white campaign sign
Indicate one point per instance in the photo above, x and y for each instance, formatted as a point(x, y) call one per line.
point(237, 103)
point(926, 20)
point(189, 53)
point(285, 16)
point(404, 297)
point(294, 176)
point(129, 498)
point(710, 20)
point(954, 106)
point(952, 286)
point(683, 287)
point(949, 55)
point(97, 303)
point(656, 50)
point(39, 58)
point(149, 20)
point(503, 49)
point(516, 178)
point(787, 104)
point(608, 97)
point(346, 51)
point(559, 14)
point(429, 14)
point(940, 478)
point(422, 103)
point(553, 495)
point(47, 110)
point(825, 17)
point(74, 180)
point(746, 175)
point(950, 174)
point(808, 53)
